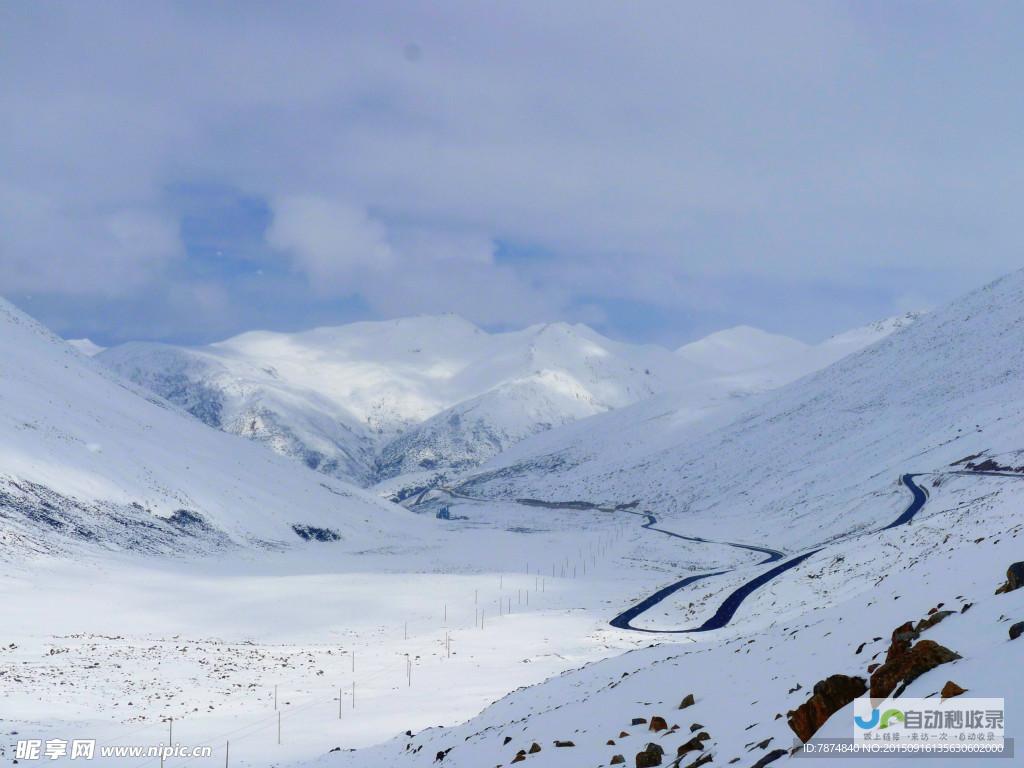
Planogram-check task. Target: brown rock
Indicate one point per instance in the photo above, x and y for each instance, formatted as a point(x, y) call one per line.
point(703, 736)
point(1017, 630)
point(688, 701)
point(658, 724)
point(650, 757)
point(693, 745)
point(520, 756)
point(902, 638)
point(1014, 578)
point(699, 761)
point(617, 760)
point(932, 620)
point(951, 689)
point(534, 748)
point(904, 669)
point(829, 696)
point(695, 727)
point(623, 734)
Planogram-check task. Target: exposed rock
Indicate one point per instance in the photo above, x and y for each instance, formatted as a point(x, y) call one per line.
point(617, 760)
point(506, 741)
point(564, 744)
point(695, 727)
point(932, 620)
point(829, 696)
point(699, 761)
point(658, 723)
point(520, 756)
point(907, 667)
point(650, 757)
point(771, 757)
point(1017, 630)
point(534, 748)
point(1014, 578)
point(610, 743)
point(688, 701)
point(902, 638)
point(694, 744)
point(638, 721)
point(951, 689)
point(623, 734)
point(703, 736)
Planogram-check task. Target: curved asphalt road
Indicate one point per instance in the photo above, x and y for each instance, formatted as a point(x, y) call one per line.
point(733, 601)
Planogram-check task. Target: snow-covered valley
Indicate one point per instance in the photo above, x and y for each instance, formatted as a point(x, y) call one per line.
point(157, 569)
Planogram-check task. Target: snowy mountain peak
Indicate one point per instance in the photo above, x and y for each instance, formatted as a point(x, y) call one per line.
point(86, 346)
point(740, 348)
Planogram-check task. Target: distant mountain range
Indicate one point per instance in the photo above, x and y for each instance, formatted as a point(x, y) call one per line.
point(405, 402)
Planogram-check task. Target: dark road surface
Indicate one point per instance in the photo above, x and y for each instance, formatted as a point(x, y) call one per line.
point(734, 600)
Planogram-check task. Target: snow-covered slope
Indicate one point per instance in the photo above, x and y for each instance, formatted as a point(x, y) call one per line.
point(371, 400)
point(741, 349)
point(630, 436)
point(87, 458)
point(812, 470)
point(87, 347)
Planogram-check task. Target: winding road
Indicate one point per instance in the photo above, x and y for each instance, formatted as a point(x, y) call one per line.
point(727, 610)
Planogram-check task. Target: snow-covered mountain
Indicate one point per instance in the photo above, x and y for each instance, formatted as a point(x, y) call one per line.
point(741, 349)
point(89, 459)
point(371, 400)
point(610, 441)
point(865, 601)
point(87, 347)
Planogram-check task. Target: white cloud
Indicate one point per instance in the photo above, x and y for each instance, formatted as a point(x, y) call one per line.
point(329, 240)
point(643, 149)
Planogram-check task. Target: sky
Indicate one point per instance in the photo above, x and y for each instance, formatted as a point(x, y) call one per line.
point(187, 171)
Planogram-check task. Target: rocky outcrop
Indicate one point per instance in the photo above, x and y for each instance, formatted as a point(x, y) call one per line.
point(907, 666)
point(1014, 579)
point(650, 757)
point(951, 689)
point(829, 696)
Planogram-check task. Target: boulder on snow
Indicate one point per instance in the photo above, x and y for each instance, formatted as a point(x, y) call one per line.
point(1017, 630)
point(902, 638)
point(638, 721)
point(828, 697)
point(534, 748)
point(904, 669)
point(658, 723)
point(932, 620)
point(703, 759)
point(688, 701)
point(564, 744)
point(951, 689)
point(693, 745)
point(650, 757)
point(1014, 578)
point(617, 760)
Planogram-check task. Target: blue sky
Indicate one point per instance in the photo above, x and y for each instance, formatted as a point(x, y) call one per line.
point(187, 171)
